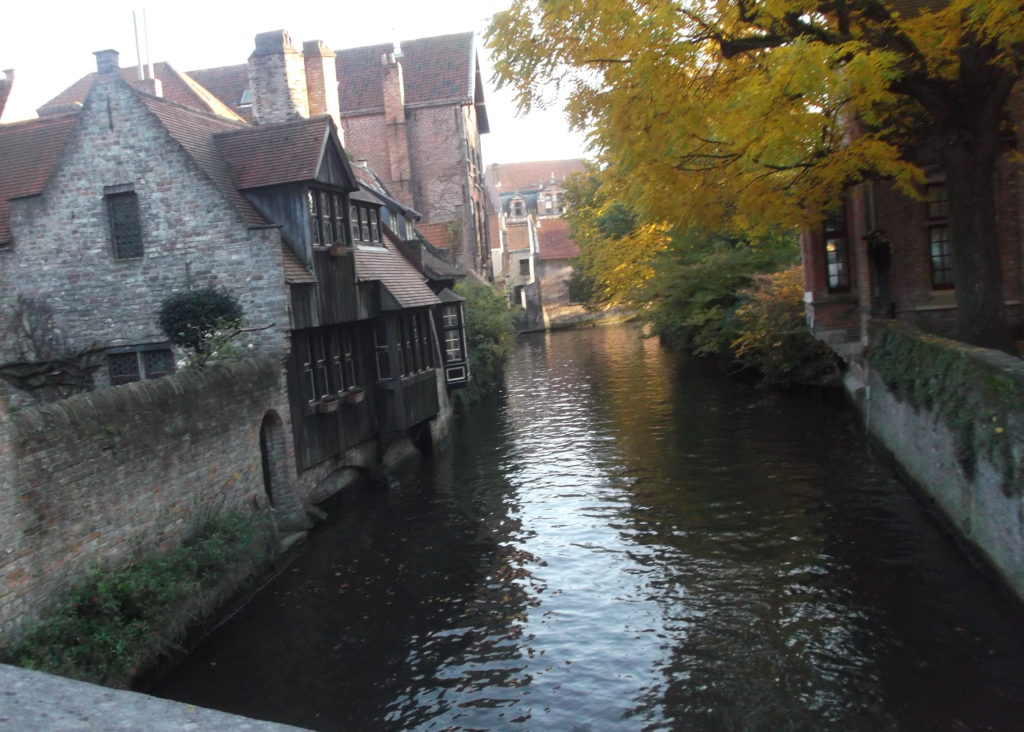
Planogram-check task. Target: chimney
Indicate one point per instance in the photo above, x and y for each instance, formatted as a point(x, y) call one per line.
point(322, 82)
point(106, 61)
point(396, 134)
point(277, 78)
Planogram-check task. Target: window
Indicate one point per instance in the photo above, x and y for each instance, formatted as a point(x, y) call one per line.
point(524, 267)
point(451, 332)
point(326, 217)
point(837, 254)
point(940, 249)
point(125, 367)
point(365, 224)
point(381, 345)
point(518, 207)
point(125, 222)
point(415, 352)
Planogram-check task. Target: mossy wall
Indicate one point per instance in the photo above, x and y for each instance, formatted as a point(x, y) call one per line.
point(102, 477)
point(953, 416)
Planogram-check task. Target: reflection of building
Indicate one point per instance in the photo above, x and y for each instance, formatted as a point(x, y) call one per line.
point(533, 256)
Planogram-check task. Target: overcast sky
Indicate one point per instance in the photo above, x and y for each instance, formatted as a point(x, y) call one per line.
point(50, 45)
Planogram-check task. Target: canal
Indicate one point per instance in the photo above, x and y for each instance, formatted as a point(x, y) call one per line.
point(625, 540)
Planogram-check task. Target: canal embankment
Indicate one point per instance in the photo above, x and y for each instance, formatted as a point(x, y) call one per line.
point(952, 417)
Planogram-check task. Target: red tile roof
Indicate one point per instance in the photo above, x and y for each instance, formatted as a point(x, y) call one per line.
point(440, 235)
point(195, 132)
point(227, 83)
point(399, 277)
point(177, 87)
point(436, 70)
point(273, 154)
point(512, 177)
point(554, 240)
point(29, 151)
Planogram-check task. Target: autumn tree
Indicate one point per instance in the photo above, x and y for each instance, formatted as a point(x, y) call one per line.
point(733, 114)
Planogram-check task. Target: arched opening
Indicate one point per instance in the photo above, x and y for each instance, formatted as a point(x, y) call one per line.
point(272, 457)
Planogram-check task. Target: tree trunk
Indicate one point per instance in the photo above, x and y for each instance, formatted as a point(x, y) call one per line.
point(977, 268)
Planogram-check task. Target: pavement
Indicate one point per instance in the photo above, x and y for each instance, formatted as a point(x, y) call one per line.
point(31, 701)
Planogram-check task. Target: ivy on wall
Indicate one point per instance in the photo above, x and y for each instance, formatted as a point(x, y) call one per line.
point(978, 394)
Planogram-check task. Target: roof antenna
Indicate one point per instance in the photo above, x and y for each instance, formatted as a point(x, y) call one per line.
point(145, 32)
point(138, 53)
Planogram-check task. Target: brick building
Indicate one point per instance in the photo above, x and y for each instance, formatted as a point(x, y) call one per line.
point(533, 250)
point(111, 205)
point(884, 254)
point(414, 113)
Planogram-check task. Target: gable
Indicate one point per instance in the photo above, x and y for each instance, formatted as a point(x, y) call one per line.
point(29, 151)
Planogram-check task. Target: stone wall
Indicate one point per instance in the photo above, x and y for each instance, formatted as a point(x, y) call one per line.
point(952, 416)
point(191, 234)
point(101, 477)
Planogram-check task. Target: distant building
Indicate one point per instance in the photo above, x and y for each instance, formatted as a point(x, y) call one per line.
point(533, 249)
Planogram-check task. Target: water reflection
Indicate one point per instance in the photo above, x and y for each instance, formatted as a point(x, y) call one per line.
point(622, 541)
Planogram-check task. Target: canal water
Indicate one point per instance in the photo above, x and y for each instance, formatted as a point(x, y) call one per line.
point(623, 539)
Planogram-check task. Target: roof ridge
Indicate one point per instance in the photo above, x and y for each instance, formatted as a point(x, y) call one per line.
point(212, 116)
point(40, 120)
point(404, 41)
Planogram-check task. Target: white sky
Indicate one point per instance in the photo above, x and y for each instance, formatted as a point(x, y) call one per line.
point(50, 45)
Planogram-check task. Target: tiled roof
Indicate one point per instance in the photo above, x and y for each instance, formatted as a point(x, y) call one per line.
point(272, 154)
point(177, 87)
point(227, 83)
point(391, 269)
point(554, 241)
point(440, 235)
point(195, 131)
point(517, 236)
point(295, 272)
point(5, 89)
point(511, 177)
point(29, 151)
point(436, 70)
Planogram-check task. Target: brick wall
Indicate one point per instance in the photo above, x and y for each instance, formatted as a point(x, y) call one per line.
point(191, 234)
point(101, 477)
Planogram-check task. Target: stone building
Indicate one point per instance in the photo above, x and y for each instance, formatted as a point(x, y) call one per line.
point(533, 250)
point(111, 205)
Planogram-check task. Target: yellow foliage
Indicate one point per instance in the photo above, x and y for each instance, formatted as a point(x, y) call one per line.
point(738, 115)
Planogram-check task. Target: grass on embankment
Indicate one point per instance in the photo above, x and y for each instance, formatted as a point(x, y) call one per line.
point(117, 623)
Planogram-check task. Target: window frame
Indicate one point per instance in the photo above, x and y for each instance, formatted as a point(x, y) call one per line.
point(940, 262)
point(124, 218)
point(835, 246)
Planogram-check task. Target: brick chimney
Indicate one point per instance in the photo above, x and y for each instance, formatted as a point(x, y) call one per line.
point(277, 78)
point(396, 132)
point(107, 61)
point(322, 82)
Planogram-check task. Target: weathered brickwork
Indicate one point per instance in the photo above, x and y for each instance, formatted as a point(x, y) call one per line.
point(277, 78)
point(191, 235)
point(101, 477)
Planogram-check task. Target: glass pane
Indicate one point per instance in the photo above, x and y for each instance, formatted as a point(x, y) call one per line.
point(123, 367)
point(125, 227)
point(157, 363)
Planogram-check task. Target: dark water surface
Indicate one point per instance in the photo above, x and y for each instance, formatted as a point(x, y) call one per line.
point(623, 541)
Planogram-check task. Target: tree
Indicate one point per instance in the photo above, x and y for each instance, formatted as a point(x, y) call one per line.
point(188, 317)
point(759, 113)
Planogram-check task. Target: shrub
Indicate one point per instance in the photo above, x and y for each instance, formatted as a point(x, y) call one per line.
point(188, 318)
point(117, 622)
point(490, 335)
point(772, 334)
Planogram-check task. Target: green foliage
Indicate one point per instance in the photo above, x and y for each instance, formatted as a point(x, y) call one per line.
point(188, 318)
point(975, 395)
point(117, 622)
point(772, 335)
point(490, 335)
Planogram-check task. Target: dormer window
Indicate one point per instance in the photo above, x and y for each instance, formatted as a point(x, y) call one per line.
point(326, 217)
point(518, 207)
point(365, 224)
point(246, 100)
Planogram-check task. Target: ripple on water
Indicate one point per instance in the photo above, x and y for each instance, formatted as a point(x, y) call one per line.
point(626, 542)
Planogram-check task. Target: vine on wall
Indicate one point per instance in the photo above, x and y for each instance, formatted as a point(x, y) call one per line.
point(978, 394)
